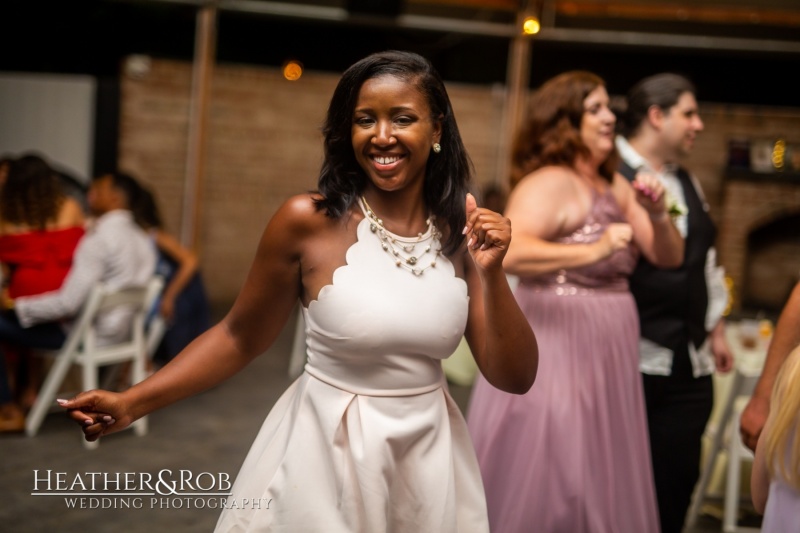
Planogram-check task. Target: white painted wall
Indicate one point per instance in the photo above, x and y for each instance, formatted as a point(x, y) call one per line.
point(51, 114)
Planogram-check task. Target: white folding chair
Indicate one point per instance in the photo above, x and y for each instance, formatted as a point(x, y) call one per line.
point(154, 333)
point(726, 440)
point(80, 348)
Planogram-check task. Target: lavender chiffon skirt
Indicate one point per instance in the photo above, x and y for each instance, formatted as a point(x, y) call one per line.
point(571, 455)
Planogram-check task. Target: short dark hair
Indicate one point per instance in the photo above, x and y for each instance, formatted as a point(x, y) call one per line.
point(126, 184)
point(662, 90)
point(448, 173)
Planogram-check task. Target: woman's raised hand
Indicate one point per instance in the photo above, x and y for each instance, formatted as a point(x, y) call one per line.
point(488, 235)
point(650, 194)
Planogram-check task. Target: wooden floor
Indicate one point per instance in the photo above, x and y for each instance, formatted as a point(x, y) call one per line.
point(209, 433)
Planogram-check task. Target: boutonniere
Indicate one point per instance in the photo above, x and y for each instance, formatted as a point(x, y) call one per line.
point(675, 209)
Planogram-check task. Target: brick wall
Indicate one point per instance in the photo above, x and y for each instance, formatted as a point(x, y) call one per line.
point(766, 275)
point(724, 123)
point(264, 144)
point(740, 207)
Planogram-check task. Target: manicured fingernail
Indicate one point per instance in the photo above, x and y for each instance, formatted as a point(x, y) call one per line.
point(469, 242)
point(484, 246)
point(88, 422)
point(62, 402)
point(111, 422)
point(465, 230)
point(106, 418)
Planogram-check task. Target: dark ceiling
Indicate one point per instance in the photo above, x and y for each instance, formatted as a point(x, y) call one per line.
point(91, 36)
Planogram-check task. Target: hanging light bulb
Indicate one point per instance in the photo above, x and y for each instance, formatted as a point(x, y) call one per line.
point(531, 25)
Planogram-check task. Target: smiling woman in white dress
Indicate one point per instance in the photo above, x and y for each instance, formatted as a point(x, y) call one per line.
point(392, 262)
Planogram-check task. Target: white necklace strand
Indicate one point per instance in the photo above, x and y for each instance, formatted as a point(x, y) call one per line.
point(403, 250)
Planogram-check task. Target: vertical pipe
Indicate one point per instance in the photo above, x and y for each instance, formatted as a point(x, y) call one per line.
point(202, 71)
point(517, 79)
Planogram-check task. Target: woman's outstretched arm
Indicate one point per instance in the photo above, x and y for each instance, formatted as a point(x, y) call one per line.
point(257, 317)
point(187, 267)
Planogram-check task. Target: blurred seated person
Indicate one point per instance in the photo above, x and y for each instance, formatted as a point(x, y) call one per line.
point(74, 188)
point(40, 226)
point(114, 251)
point(183, 304)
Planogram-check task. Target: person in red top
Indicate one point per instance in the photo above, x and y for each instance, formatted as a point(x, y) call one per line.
point(40, 226)
point(40, 260)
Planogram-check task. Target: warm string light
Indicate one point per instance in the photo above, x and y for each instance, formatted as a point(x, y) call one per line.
point(779, 154)
point(292, 70)
point(531, 25)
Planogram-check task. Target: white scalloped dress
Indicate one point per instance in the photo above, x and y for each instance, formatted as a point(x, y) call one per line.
point(368, 439)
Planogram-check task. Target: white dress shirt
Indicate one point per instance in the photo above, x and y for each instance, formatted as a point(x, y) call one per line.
point(655, 359)
point(114, 251)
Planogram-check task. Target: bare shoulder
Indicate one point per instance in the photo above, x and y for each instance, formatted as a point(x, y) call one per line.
point(550, 178)
point(620, 182)
point(622, 190)
point(299, 216)
point(548, 184)
point(300, 209)
point(70, 214)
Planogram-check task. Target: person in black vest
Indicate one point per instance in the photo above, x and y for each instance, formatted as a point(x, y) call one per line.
point(680, 309)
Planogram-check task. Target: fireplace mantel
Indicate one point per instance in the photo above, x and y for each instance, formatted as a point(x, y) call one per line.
point(752, 200)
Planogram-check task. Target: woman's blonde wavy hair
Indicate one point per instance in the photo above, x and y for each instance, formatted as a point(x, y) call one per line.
point(782, 434)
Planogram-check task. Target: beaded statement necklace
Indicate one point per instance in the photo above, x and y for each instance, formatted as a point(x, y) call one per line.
point(403, 250)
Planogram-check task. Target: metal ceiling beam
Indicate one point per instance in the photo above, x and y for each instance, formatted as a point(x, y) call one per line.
point(668, 40)
point(282, 9)
point(496, 29)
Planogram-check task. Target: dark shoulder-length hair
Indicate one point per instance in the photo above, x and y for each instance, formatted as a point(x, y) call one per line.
point(145, 209)
point(448, 173)
point(551, 133)
point(32, 194)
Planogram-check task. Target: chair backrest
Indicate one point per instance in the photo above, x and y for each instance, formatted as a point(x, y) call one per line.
point(80, 347)
point(102, 299)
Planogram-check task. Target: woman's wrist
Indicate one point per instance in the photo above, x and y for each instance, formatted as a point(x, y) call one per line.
point(663, 216)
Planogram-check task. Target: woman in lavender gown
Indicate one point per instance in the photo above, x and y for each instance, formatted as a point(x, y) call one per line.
point(572, 454)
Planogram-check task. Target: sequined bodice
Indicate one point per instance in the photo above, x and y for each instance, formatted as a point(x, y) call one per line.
point(609, 274)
